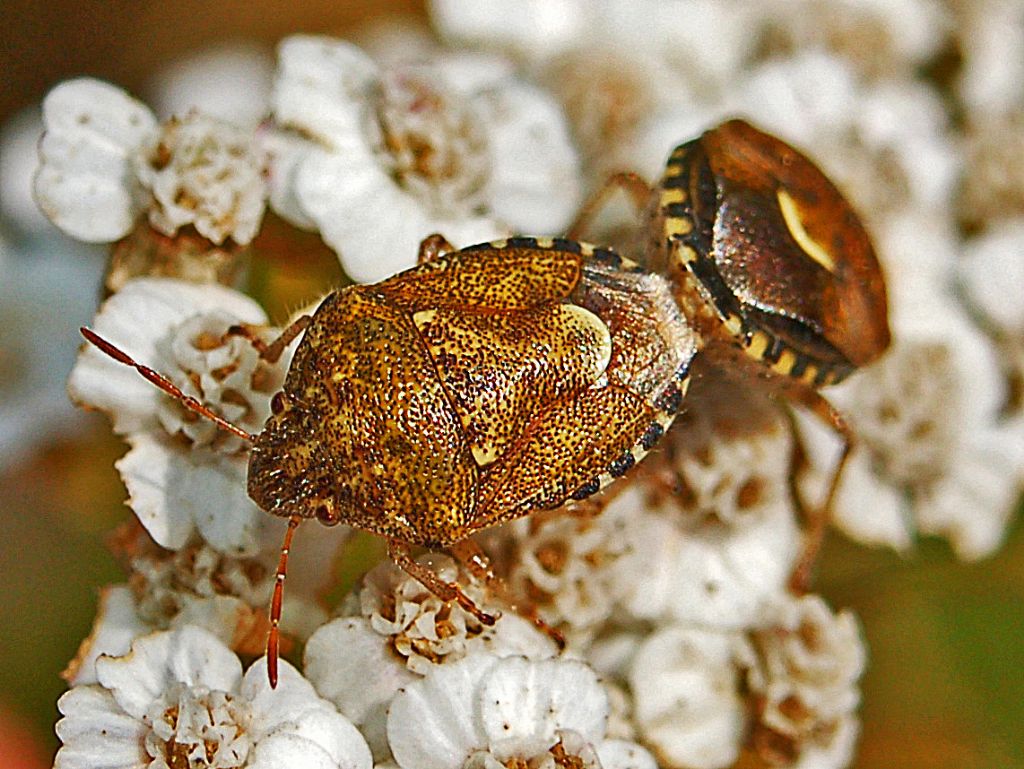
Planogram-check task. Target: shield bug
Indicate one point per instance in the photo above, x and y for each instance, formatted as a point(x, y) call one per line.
point(475, 388)
point(772, 268)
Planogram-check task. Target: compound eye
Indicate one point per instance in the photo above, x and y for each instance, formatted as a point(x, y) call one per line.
point(327, 515)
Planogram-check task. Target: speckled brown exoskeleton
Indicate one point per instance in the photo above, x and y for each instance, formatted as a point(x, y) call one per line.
point(515, 376)
point(475, 388)
point(773, 270)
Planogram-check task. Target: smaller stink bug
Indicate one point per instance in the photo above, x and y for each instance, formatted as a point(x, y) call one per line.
point(475, 388)
point(772, 268)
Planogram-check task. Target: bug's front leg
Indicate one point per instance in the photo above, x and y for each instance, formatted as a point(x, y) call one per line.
point(433, 247)
point(400, 552)
point(468, 554)
point(271, 352)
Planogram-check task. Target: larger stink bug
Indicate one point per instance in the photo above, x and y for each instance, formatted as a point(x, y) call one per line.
point(475, 388)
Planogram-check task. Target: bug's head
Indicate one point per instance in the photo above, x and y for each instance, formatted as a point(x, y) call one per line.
point(289, 475)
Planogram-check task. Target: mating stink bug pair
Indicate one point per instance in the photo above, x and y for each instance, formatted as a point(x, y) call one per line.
point(514, 376)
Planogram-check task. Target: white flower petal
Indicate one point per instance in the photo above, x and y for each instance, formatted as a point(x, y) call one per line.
point(975, 502)
point(229, 81)
point(686, 694)
point(290, 751)
point(997, 253)
point(524, 701)
point(285, 153)
point(804, 672)
point(536, 27)
point(435, 723)
point(795, 98)
point(724, 577)
point(205, 173)
point(86, 185)
point(707, 39)
point(117, 624)
point(621, 754)
point(994, 57)
point(96, 733)
point(375, 226)
point(19, 162)
point(868, 510)
point(837, 753)
point(712, 575)
point(294, 709)
point(336, 659)
point(319, 88)
point(189, 656)
point(175, 492)
point(471, 72)
point(535, 183)
point(139, 316)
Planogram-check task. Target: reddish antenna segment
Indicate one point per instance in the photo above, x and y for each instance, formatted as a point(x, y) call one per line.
point(274, 639)
point(164, 384)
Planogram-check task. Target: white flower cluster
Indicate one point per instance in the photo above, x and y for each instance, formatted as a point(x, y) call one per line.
point(685, 645)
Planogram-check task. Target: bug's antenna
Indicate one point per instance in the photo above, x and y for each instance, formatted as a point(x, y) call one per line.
point(164, 384)
point(274, 639)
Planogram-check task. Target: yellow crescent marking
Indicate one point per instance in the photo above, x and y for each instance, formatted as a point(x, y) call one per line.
point(545, 242)
point(733, 325)
point(811, 247)
point(499, 243)
point(809, 374)
point(785, 362)
point(672, 195)
point(674, 169)
point(585, 317)
point(758, 344)
point(586, 249)
point(678, 226)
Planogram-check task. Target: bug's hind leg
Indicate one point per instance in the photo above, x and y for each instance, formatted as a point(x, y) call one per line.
point(400, 553)
point(468, 554)
point(270, 352)
point(818, 516)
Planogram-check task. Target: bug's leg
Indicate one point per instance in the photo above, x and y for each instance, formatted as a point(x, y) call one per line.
point(399, 552)
point(274, 639)
point(164, 384)
point(468, 553)
point(271, 352)
point(818, 517)
point(432, 247)
point(633, 184)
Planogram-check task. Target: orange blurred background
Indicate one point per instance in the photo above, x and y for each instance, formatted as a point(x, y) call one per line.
point(945, 684)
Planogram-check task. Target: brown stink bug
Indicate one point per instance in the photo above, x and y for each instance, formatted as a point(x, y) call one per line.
point(480, 386)
point(772, 268)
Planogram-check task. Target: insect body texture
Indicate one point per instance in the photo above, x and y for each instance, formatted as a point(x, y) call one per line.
point(768, 255)
point(473, 389)
point(772, 269)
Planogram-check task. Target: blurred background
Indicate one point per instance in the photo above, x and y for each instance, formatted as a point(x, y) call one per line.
point(944, 686)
